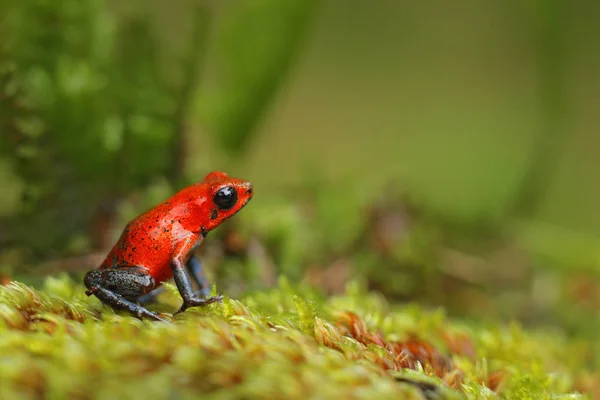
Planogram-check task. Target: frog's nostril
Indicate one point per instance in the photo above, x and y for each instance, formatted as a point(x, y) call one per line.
point(249, 189)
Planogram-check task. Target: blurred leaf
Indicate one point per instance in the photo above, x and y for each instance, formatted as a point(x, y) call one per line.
point(86, 111)
point(257, 42)
point(550, 25)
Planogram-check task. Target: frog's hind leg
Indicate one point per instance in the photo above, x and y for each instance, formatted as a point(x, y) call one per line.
point(198, 274)
point(115, 288)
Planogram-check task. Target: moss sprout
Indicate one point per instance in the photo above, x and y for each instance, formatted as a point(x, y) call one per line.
point(286, 342)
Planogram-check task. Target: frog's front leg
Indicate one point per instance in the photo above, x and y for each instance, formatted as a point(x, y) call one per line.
point(182, 280)
point(115, 288)
point(198, 274)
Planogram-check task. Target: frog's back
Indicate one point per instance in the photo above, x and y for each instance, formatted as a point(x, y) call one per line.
point(145, 242)
point(149, 241)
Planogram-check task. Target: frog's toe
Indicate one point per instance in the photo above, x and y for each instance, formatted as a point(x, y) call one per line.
point(141, 313)
point(156, 316)
point(198, 302)
point(214, 299)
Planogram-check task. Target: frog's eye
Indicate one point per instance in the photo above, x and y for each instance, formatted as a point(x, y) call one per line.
point(226, 198)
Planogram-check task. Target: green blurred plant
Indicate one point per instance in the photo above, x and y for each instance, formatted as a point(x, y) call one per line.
point(257, 44)
point(89, 113)
point(550, 28)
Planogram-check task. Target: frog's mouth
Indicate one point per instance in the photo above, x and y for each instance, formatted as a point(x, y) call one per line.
point(249, 193)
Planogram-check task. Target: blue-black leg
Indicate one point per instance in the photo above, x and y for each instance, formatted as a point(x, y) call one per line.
point(150, 297)
point(184, 285)
point(198, 274)
point(114, 287)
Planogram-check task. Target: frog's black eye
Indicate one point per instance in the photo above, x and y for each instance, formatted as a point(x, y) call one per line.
point(226, 198)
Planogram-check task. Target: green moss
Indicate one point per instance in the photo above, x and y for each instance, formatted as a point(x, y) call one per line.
point(287, 342)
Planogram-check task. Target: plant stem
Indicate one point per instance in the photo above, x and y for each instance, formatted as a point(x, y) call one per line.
point(192, 72)
point(549, 144)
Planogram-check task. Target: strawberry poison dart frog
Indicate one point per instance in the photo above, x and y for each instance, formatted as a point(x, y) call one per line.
point(158, 245)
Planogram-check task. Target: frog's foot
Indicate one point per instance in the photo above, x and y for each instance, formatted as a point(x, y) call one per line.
point(114, 286)
point(117, 301)
point(195, 302)
point(184, 285)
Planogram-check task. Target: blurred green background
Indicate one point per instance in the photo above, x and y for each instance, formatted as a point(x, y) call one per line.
point(442, 153)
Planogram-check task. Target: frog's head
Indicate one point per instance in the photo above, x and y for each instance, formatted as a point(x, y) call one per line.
point(225, 197)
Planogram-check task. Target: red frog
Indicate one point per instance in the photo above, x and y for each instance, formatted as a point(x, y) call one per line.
point(158, 245)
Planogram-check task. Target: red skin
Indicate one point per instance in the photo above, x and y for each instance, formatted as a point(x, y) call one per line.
point(174, 227)
point(157, 245)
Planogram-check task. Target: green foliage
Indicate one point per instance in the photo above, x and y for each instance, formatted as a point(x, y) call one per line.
point(93, 107)
point(551, 24)
point(286, 230)
point(256, 45)
point(86, 112)
point(57, 342)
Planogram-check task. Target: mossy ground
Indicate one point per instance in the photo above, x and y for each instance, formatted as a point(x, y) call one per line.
point(287, 342)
